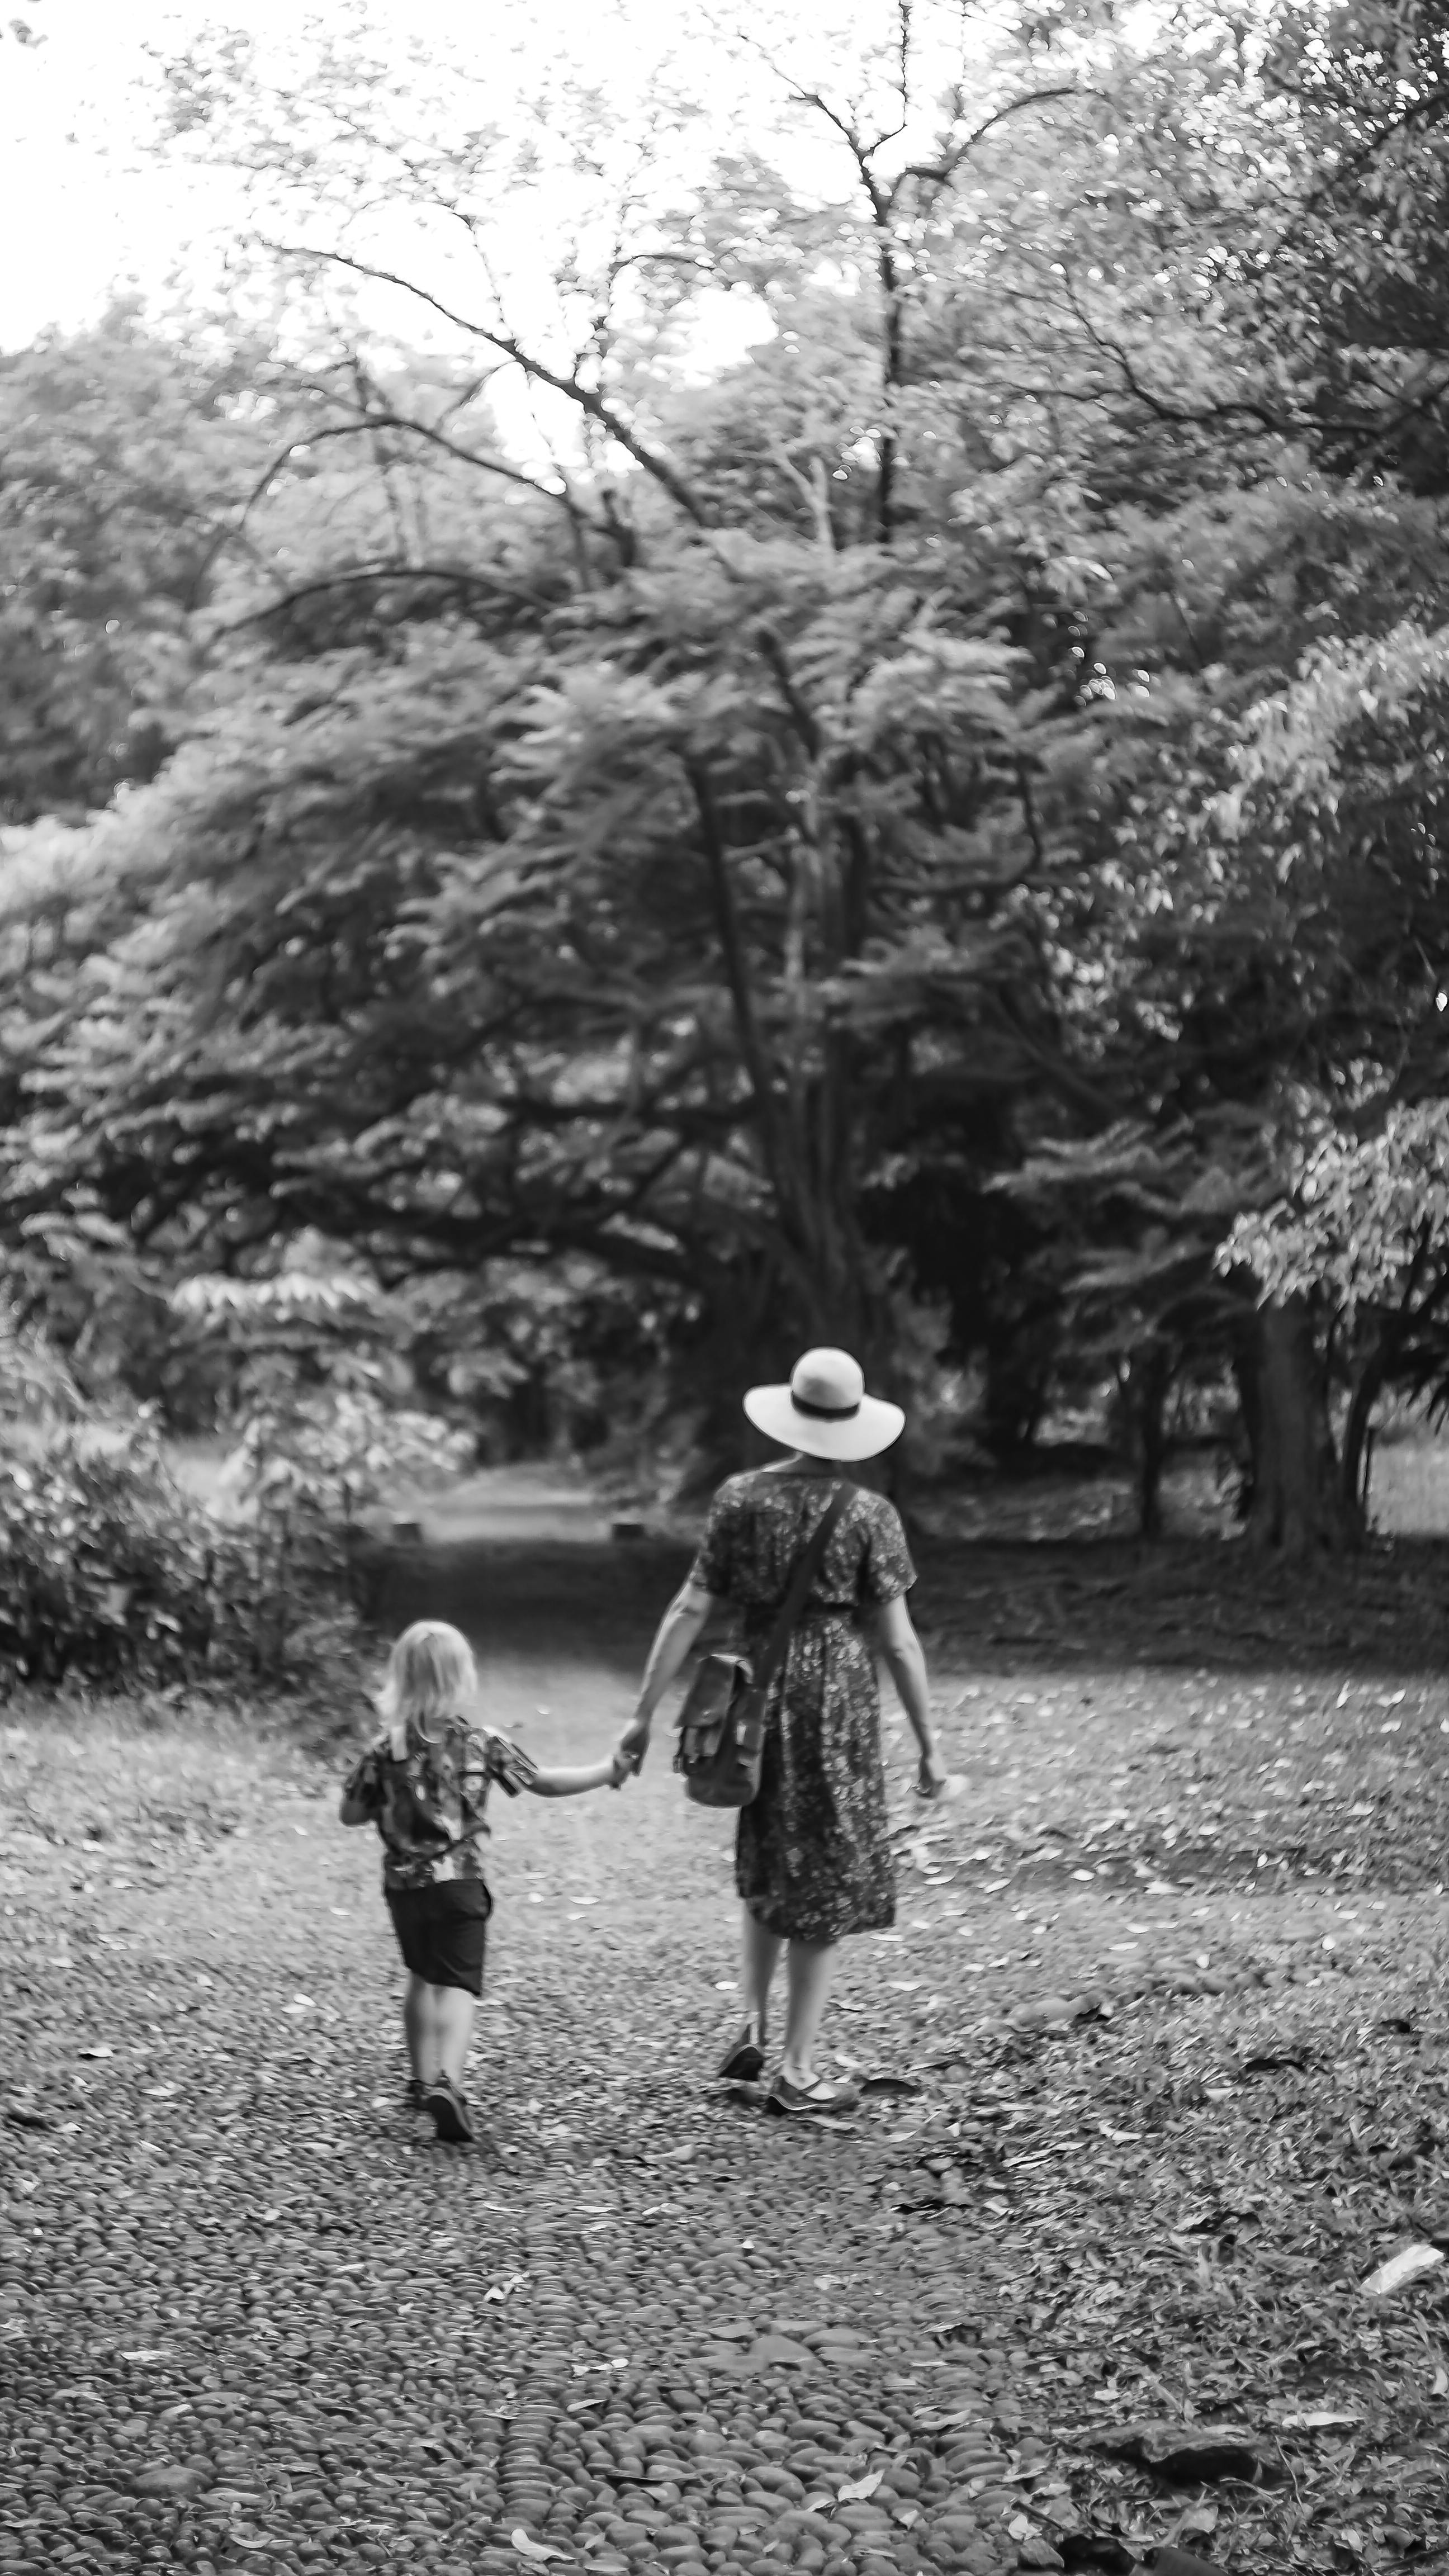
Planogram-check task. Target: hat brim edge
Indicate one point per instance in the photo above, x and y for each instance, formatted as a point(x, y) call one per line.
point(877, 1426)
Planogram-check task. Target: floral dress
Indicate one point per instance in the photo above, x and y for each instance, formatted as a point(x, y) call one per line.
point(813, 1857)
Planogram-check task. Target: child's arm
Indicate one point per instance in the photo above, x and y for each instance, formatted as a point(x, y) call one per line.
point(361, 1792)
point(607, 1774)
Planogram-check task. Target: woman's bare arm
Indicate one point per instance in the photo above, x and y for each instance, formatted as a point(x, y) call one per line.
point(676, 1634)
point(904, 1657)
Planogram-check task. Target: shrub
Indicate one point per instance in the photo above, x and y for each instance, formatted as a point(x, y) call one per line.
point(105, 1568)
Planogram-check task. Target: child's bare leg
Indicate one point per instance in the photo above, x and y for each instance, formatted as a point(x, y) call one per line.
point(419, 2026)
point(452, 2030)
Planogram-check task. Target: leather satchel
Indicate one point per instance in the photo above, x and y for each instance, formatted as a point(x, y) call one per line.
point(721, 1739)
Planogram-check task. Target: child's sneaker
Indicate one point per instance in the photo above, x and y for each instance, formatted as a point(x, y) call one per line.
point(450, 2114)
point(414, 2096)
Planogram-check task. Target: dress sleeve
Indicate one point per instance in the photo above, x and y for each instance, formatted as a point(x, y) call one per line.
point(509, 1765)
point(886, 1569)
point(714, 1565)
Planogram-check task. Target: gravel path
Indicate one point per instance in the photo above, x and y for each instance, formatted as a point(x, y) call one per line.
point(247, 2317)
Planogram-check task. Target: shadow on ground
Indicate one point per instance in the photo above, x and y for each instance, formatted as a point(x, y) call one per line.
point(998, 1607)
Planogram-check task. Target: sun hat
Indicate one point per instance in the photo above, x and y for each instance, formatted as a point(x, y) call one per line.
point(825, 1409)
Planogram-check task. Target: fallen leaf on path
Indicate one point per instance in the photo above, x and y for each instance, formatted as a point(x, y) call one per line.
point(1185, 2451)
point(535, 2550)
point(504, 2289)
point(1400, 2268)
point(855, 2490)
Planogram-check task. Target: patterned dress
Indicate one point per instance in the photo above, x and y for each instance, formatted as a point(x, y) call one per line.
point(428, 1798)
point(813, 1858)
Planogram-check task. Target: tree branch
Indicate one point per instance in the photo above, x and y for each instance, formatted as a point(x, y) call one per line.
point(940, 173)
point(583, 397)
point(738, 977)
point(448, 574)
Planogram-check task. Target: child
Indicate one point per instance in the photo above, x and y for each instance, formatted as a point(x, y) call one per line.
point(424, 1781)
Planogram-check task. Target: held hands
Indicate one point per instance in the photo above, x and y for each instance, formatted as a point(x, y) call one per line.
point(628, 1753)
point(634, 1742)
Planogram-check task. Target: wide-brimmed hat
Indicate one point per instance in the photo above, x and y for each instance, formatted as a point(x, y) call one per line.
point(825, 1410)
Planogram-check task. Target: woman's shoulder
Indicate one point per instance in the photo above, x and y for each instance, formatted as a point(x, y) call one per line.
point(738, 1492)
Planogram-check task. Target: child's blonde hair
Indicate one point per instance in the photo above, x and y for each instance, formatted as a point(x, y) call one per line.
point(430, 1675)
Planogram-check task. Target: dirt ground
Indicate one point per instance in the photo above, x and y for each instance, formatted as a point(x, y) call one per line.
point(1160, 2055)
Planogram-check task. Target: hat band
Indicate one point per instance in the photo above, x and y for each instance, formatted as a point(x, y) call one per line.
point(825, 1412)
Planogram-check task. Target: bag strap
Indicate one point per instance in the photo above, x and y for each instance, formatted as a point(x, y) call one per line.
point(807, 1566)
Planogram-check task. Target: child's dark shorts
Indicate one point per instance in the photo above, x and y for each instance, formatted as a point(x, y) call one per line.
point(441, 1931)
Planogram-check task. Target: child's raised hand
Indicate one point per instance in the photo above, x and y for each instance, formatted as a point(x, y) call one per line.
point(621, 1767)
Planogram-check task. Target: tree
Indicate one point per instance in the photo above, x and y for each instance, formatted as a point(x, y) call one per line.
point(1361, 1242)
point(121, 451)
point(720, 849)
point(735, 838)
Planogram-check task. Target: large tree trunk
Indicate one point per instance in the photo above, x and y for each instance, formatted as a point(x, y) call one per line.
point(1297, 1496)
point(1358, 1443)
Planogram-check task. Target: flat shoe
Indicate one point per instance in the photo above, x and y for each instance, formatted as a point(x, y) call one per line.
point(449, 2112)
point(821, 2095)
point(745, 2063)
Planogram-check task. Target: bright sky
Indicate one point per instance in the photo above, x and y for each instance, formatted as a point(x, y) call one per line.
point(85, 209)
point(82, 206)
point(79, 212)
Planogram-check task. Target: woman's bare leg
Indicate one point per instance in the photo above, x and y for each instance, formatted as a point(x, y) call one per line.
point(809, 1972)
point(759, 1958)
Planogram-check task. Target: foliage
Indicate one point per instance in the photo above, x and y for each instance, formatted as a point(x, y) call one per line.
point(1367, 1220)
point(122, 452)
point(990, 727)
point(1362, 1240)
point(319, 1459)
point(321, 1438)
point(34, 1380)
point(105, 1570)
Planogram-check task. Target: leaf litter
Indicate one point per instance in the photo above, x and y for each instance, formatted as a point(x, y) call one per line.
point(1219, 2198)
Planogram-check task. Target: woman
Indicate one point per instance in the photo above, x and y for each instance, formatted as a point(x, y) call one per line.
point(813, 1857)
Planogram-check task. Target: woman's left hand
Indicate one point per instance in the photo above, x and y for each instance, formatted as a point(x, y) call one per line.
point(933, 1780)
point(634, 1742)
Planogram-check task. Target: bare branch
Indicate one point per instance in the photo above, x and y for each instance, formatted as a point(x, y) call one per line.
point(592, 404)
point(453, 576)
point(801, 715)
point(940, 173)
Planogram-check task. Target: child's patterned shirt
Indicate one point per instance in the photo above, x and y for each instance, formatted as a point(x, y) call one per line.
point(428, 1797)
